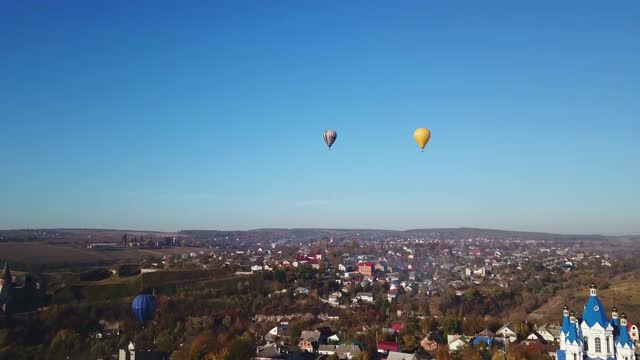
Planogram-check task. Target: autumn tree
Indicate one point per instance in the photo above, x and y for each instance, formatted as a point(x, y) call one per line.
point(65, 343)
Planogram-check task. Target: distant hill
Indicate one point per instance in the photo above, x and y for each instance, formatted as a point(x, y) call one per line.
point(505, 234)
point(294, 234)
point(303, 234)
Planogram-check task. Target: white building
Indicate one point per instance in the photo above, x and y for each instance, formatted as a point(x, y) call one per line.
point(507, 332)
point(457, 342)
point(595, 337)
point(366, 297)
point(550, 333)
point(633, 332)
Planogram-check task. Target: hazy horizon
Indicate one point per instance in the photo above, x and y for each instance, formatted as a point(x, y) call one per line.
point(166, 116)
point(319, 229)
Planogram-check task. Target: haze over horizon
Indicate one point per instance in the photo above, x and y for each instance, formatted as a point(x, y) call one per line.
point(325, 229)
point(156, 115)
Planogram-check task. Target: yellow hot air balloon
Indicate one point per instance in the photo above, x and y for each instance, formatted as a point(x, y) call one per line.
point(422, 136)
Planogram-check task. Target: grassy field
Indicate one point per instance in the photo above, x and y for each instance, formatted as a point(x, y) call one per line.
point(43, 253)
point(627, 295)
point(117, 287)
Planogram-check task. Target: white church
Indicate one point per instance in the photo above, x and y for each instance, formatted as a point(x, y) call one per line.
point(594, 336)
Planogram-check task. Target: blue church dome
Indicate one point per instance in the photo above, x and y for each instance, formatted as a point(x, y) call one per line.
point(594, 311)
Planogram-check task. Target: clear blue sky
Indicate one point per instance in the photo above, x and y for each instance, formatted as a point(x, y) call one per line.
point(162, 115)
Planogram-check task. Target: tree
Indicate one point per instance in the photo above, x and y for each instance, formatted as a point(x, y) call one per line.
point(241, 348)
point(165, 342)
point(443, 353)
point(409, 342)
point(202, 345)
point(66, 342)
point(473, 325)
point(451, 325)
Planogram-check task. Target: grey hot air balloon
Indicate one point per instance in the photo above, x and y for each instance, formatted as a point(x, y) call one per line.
point(329, 137)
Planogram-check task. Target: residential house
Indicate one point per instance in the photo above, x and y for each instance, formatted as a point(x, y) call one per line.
point(278, 331)
point(508, 331)
point(365, 268)
point(326, 349)
point(533, 339)
point(268, 352)
point(384, 347)
point(457, 342)
point(460, 291)
point(330, 315)
point(392, 295)
point(633, 332)
point(309, 340)
point(366, 297)
point(334, 299)
point(550, 333)
point(108, 329)
point(393, 355)
point(335, 338)
point(301, 291)
point(349, 351)
point(130, 353)
point(432, 341)
point(486, 333)
point(478, 340)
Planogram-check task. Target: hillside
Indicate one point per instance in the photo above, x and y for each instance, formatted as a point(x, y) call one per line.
point(624, 288)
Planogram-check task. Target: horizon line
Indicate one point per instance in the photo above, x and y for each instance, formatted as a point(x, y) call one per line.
point(318, 229)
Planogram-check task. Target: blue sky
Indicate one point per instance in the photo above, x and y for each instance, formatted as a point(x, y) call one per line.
point(177, 115)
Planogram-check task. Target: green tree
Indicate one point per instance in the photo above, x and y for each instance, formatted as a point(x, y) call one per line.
point(241, 348)
point(451, 325)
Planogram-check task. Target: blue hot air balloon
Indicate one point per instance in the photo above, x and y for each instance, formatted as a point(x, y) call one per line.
point(143, 307)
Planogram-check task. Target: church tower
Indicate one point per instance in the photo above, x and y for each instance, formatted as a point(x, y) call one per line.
point(615, 321)
point(624, 345)
point(565, 327)
point(596, 329)
point(6, 285)
point(6, 274)
point(594, 336)
point(573, 344)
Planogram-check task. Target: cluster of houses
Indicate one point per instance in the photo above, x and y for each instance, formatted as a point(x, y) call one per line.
point(545, 337)
point(440, 263)
point(593, 336)
point(322, 342)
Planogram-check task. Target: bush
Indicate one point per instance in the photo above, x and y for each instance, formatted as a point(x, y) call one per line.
point(128, 270)
point(95, 275)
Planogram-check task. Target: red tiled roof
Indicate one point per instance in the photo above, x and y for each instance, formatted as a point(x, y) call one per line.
point(388, 346)
point(365, 264)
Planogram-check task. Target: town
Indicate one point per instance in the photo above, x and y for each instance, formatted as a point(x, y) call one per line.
point(444, 294)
